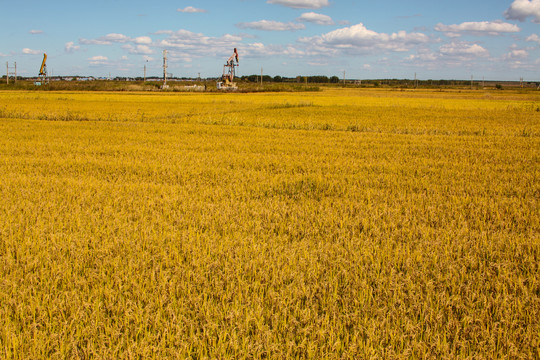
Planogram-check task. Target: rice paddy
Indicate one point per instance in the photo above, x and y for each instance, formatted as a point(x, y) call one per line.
point(340, 224)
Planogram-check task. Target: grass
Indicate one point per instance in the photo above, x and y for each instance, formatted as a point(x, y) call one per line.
point(338, 224)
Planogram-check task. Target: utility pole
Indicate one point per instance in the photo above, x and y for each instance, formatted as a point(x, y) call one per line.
point(261, 76)
point(343, 77)
point(144, 73)
point(14, 73)
point(164, 68)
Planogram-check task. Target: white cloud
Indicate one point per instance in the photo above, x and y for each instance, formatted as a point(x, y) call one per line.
point(184, 45)
point(451, 55)
point(191, 9)
point(292, 51)
point(534, 38)
point(315, 63)
point(36, 32)
point(183, 42)
point(106, 40)
point(138, 49)
point(142, 40)
point(268, 25)
point(84, 41)
point(477, 28)
point(424, 55)
point(116, 38)
point(463, 50)
point(516, 55)
point(139, 45)
point(520, 59)
point(98, 58)
point(186, 39)
point(301, 4)
point(28, 51)
point(70, 47)
point(522, 9)
point(358, 38)
point(318, 19)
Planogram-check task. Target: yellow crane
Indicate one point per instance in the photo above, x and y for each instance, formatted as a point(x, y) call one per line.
point(43, 69)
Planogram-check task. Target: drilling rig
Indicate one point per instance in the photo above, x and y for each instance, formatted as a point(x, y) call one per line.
point(227, 78)
point(43, 71)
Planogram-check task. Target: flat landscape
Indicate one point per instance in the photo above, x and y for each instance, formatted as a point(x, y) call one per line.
point(338, 224)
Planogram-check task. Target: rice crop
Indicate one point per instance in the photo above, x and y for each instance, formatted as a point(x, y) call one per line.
point(340, 224)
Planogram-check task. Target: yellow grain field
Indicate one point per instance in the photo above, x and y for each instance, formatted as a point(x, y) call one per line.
point(341, 224)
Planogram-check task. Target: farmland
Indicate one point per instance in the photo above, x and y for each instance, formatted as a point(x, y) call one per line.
point(345, 223)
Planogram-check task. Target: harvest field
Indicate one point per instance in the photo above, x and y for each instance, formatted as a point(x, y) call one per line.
point(340, 224)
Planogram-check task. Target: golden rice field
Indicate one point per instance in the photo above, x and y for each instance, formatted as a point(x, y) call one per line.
point(341, 224)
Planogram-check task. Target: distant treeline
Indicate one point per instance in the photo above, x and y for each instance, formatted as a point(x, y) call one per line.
point(318, 79)
point(248, 83)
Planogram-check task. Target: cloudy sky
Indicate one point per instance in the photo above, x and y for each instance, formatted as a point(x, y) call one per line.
point(366, 39)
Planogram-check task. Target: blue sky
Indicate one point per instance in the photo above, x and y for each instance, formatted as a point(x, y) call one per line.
point(491, 39)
